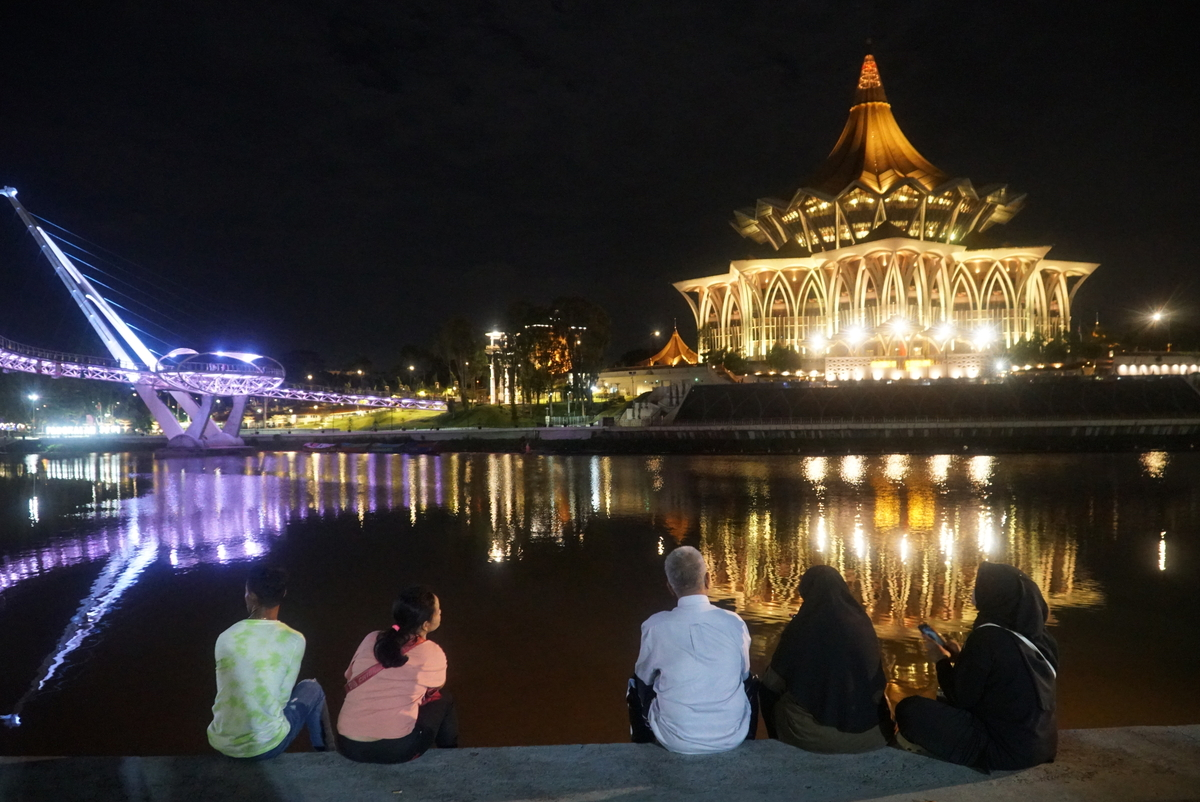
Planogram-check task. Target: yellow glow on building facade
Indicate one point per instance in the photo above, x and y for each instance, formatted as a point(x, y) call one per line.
point(874, 259)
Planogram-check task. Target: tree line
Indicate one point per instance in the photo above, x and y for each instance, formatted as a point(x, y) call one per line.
point(546, 350)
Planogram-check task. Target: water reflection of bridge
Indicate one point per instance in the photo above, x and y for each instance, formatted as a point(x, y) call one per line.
point(907, 531)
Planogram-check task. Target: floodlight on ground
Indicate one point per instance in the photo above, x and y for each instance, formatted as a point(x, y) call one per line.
point(1001, 366)
point(818, 341)
point(855, 335)
point(983, 337)
point(899, 326)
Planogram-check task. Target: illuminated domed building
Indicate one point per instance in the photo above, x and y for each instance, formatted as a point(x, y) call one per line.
point(877, 269)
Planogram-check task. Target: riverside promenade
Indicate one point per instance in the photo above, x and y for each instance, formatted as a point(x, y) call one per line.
point(1130, 763)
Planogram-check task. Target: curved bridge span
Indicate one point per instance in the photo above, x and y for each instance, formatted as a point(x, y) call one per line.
point(219, 380)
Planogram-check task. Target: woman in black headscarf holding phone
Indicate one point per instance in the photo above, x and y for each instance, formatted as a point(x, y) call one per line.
point(824, 689)
point(999, 688)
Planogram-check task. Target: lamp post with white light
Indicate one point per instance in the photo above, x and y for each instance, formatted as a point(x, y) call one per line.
point(33, 399)
point(1164, 317)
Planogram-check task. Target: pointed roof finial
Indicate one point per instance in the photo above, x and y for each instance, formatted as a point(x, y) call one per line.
point(872, 149)
point(870, 88)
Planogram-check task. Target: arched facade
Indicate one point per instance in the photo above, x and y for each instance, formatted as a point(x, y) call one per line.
point(893, 297)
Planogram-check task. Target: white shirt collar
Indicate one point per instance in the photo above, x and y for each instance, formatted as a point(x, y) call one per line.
point(693, 600)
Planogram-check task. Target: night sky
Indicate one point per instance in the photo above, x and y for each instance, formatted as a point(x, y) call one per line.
point(343, 176)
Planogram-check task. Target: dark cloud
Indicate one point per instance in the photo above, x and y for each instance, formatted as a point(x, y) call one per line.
point(342, 176)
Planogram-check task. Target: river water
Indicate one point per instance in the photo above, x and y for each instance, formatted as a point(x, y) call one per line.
point(118, 571)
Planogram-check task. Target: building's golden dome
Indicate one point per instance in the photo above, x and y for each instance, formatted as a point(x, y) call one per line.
point(874, 176)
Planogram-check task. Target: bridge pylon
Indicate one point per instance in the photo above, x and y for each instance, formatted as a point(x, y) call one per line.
point(195, 380)
point(177, 370)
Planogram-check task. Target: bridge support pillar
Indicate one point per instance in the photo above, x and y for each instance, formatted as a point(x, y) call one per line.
point(202, 432)
point(200, 418)
point(161, 412)
point(233, 425)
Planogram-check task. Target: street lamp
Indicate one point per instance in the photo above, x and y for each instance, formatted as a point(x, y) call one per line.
point(1162, 316)
point(33, 399)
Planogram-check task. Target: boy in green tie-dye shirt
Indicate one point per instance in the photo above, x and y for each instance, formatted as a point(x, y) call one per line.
point(260, 708)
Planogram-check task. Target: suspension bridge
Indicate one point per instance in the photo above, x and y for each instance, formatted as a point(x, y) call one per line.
point(193, 379)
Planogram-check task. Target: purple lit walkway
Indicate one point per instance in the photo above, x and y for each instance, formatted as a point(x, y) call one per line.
point(223, 380)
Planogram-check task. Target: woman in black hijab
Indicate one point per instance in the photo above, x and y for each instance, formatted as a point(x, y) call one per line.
point(999, 688)
point(824, 689)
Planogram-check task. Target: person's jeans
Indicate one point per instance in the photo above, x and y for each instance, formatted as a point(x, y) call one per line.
point(306, 709)
point(640, 695)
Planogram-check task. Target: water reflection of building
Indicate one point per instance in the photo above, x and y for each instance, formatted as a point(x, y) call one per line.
point(907, 532)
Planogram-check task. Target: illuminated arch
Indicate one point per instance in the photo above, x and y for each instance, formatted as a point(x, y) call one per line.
point(811, 319)
point(997, 277)
point(963, 281)
point(866, 307)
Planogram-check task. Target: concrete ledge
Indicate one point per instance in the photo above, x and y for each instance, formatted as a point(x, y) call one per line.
point(1135, 763)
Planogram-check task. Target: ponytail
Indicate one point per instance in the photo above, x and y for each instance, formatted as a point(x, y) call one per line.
point(413, 608)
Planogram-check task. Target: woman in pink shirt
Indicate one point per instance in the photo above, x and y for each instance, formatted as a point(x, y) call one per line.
point(395, 708)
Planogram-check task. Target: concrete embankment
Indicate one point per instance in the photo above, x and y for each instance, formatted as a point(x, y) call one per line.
point(1132, 763)
point(841, 437)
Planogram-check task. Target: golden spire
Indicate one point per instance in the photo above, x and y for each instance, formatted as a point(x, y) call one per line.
point(872, 149)
point(870, 88)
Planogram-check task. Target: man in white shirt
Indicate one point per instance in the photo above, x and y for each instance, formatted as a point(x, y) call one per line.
point(691, 688)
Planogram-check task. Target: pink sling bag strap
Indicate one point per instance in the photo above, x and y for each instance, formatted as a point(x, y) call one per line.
point(363, 676)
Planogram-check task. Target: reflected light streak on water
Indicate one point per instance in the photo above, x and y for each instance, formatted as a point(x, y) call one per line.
point(981, 470)
point(1154, 463)
point(896, 467)
point(907, 533)
point(853, 469)
point(815, 469)
point(939, 468)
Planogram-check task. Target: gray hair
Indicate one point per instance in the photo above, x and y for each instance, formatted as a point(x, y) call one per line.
point(685, 569)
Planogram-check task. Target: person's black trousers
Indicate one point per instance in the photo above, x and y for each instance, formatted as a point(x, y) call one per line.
point(945, 731)
point(640, 695)
point(437, 725)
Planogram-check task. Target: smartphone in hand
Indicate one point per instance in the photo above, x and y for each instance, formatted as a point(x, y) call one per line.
point(932, 634)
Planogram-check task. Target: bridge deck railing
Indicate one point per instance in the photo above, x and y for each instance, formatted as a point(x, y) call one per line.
point(104, 362)
point(60, 356)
